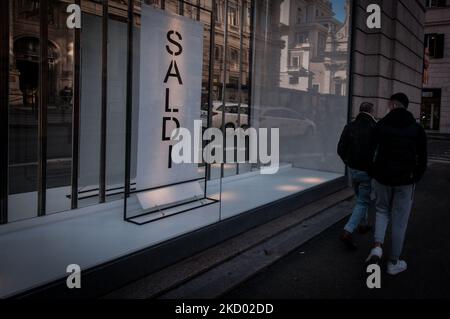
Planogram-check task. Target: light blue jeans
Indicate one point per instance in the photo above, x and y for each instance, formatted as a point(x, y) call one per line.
point(362, 184)
point(393, 203)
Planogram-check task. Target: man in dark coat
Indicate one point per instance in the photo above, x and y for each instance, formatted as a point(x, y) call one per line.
point(355, 150)
point(400, 160)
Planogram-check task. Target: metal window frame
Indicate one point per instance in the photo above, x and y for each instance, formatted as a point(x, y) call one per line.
point(212, 46)
point(4, 106)
point(224, 86)
point(350, 93)
point(129, 105)
point(104, 102)
point(43, 108)
point(76, 117)
point(240, 4)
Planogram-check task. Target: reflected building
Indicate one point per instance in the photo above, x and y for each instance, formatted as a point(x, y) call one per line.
point(315, 47)
point(24, 82)
point(25, 45)
point(301, 71)
point(230, 65)
point(24, 55)
point(235, 16)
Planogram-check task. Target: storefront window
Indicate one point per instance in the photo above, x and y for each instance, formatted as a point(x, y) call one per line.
point(264, 69)
point(304, 97)
point(319, 96)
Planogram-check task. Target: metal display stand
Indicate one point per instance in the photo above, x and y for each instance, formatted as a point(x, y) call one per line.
point(159, 212)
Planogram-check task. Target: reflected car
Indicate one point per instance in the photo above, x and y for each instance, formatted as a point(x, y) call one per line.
point(290, 122)
point(231, 116)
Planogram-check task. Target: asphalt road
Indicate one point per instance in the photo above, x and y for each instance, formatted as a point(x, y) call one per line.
point(322, 268)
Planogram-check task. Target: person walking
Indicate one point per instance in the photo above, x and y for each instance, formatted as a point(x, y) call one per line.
point(355, 151)
point(400, 160)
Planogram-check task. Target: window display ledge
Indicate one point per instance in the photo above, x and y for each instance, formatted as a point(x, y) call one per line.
point(112, 252)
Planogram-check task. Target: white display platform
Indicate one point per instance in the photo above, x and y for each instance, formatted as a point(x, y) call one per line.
point(37, 251)
point(24, 205)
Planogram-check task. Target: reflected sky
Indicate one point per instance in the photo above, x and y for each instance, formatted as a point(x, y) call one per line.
point(339, 9)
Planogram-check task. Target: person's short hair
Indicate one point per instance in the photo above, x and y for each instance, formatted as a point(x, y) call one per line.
point(366, 107)
point(401, 98)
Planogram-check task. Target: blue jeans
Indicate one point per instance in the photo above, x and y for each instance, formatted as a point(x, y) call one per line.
point(393, 204)
point(362, 184)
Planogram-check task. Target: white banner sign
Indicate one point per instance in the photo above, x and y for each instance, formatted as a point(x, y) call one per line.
point(171, 58)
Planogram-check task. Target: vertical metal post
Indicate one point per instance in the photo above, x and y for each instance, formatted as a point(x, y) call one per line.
point(212, 45)
point(43, 106)
point(250, 58)
point(350, 71)
point(198, 11)
point(129, 104)
point(103, 128)
point(241, 35)
point(197, 16)
point(350, 55)
point(224, 84)
point(76, 117)
point(181, 8)
point(4, 101)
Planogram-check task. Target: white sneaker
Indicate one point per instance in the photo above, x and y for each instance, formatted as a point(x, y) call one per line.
point(375, 256)
point(394, 269)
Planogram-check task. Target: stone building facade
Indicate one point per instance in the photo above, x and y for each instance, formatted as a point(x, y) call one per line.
point(390, 59)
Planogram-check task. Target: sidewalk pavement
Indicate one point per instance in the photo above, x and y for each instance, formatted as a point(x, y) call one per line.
point(323, 268)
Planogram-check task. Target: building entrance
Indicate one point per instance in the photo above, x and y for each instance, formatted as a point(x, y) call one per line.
point(430, 109)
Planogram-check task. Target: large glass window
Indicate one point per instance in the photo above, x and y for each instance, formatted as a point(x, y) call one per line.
point(261, 66)
point(300, 87)
point(319, 93)
point(40, 131)
point(90, 114)
point(435, 44)
point(436, 3)
point(430, 109)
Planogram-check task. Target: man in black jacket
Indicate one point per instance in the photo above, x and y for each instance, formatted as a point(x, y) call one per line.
point(400, 160)
point(355, 150)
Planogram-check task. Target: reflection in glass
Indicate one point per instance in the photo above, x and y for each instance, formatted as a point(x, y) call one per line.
point(299, 86)
point(24, 98)
point(301, 66)
point(60, 104)
point(297, 82)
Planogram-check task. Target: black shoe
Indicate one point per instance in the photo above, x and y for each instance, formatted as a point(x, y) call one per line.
point(347, 239)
